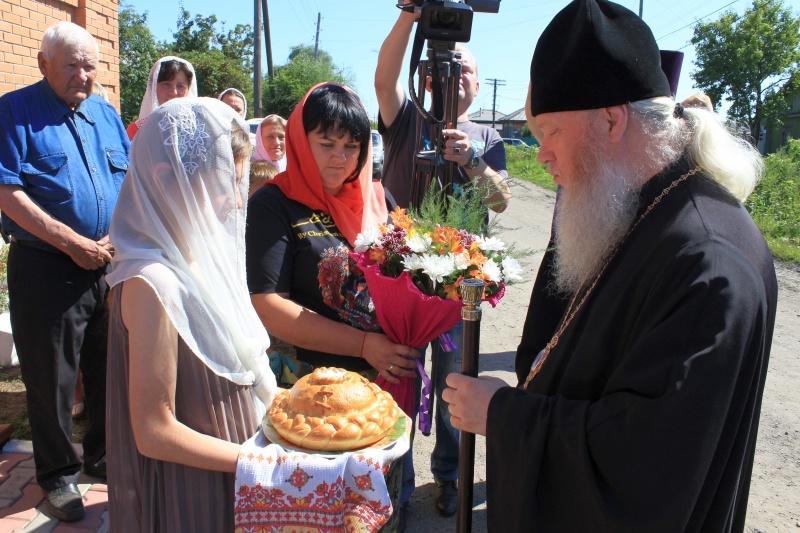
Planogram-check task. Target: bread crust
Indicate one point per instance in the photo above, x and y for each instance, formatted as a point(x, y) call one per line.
point(333, 409)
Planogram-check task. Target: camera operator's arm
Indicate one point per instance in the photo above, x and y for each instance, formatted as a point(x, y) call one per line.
point(388, 88)
point(458, 148)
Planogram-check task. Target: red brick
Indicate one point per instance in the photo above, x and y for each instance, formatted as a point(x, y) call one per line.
point(8, 525)
point(25, 507)
point(9, 461)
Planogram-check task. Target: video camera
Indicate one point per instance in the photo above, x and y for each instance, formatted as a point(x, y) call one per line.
point(442, 23)
point(446, 20)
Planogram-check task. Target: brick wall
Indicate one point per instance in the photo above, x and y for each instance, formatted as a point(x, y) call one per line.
point(22, 23)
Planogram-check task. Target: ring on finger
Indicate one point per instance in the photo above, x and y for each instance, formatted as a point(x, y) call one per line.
point(391, 367)
point(456, 150)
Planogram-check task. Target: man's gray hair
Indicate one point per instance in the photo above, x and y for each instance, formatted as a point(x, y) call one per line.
point(66, 35)
point(730, 160)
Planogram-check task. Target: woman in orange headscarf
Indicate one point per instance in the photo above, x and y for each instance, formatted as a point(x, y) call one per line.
point(300, 231)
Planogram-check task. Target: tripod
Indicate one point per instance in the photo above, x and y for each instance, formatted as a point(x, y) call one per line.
point(444, 70)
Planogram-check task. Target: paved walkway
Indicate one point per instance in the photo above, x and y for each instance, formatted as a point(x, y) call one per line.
point(21, 498)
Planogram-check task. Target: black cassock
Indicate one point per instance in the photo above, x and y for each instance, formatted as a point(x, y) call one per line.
point(644, 416)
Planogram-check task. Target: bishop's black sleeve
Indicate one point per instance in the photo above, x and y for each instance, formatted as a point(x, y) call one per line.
point(662, 439)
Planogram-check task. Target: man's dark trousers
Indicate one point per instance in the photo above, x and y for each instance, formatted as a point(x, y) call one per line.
point(59, 320)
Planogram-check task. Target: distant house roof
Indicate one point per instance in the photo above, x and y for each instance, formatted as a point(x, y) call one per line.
point(518, 115)
point(485, 115)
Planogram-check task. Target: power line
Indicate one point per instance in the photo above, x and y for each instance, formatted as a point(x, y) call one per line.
point(697, 20)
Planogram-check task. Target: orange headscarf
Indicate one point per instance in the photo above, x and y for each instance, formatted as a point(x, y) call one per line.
point(359, 205)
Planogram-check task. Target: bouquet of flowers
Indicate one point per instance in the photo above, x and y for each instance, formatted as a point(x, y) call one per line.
point(413, 270)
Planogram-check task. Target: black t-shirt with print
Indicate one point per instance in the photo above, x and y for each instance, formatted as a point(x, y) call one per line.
point(296, 250)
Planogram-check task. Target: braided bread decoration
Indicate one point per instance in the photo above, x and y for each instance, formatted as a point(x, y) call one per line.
point(333, 409)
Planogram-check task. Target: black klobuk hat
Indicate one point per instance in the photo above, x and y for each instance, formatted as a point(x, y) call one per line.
point(595, 54)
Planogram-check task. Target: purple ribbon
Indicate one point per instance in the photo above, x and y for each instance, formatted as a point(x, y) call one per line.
point(446, 343)
point(425, 401)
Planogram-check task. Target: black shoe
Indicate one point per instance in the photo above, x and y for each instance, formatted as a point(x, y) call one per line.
point(65, 503)
point(95, 470)
point(446, 498)
point(401, 520)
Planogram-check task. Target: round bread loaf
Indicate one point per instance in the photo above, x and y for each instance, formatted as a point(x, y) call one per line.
point(333, 409)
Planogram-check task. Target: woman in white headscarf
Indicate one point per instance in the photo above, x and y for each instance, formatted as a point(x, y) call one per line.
point(187, 371)
point(271, 141)
point(171, 77)
point(236, 100)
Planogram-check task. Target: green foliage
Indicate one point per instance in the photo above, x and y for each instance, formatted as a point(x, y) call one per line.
point(137, 53)
point(750, 61)
point(522, 164)
point(215, 72)
point(775, 204)
point(221, 58)
point(466, 210)
point(297, 76)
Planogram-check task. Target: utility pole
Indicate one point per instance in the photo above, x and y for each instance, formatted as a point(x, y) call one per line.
point(316, 41)
point(495, 83)
point(268, 41)
point(641, 7)
point(257, 59)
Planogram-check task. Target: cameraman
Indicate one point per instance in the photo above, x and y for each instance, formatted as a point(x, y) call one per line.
point(480, 155)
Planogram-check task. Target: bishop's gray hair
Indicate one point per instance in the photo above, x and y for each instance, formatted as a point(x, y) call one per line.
point(66, 35)
point(728, 159)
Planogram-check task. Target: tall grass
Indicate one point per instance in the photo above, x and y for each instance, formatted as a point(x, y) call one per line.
point(521, 164)
point(775, 204)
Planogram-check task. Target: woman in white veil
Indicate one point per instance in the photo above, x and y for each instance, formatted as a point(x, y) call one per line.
point(186, 348)
point(171, 77)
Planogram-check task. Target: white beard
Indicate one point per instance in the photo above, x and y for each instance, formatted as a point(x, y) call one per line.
point(593, 217)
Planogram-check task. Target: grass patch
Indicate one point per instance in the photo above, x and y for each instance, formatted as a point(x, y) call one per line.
point(521, 164)
point(775, 204)
point(13, 406)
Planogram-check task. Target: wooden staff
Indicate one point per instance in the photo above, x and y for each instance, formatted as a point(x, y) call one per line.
point(471, 294)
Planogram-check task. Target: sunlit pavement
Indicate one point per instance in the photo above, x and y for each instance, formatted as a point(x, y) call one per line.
point(21, 498)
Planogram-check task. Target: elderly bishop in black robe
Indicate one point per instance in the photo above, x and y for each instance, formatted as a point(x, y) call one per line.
point(645, 349)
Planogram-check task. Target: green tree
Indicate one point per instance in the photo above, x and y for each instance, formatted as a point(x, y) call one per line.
point(221, 58)
point(750, 60)
point(137, 53)
point(297, 76)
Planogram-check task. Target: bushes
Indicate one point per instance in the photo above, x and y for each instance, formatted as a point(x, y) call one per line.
point(775, 204)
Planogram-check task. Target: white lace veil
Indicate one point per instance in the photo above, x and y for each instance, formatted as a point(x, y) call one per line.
point(150, 99)
point(176, 225)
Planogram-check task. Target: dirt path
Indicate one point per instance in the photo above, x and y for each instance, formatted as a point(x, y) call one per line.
point(775, 493)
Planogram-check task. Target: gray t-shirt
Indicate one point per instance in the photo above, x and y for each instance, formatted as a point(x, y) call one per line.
point(399, 145)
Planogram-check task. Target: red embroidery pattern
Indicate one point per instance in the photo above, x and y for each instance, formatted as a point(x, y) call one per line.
point(363, 482)
point(299, 478)
point(332, 508)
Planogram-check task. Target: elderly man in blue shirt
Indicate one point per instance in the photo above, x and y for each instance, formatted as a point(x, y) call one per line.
point(63, 156)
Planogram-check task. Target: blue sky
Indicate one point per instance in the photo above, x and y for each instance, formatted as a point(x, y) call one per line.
point(352, 32)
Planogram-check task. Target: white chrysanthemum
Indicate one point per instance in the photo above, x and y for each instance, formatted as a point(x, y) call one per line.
point(367, 239)
point(412, 262)
point(438, 266)
point(418, 243)
point(490, 244)
point(492, 269)
point(462, 261)
point(511, 269)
